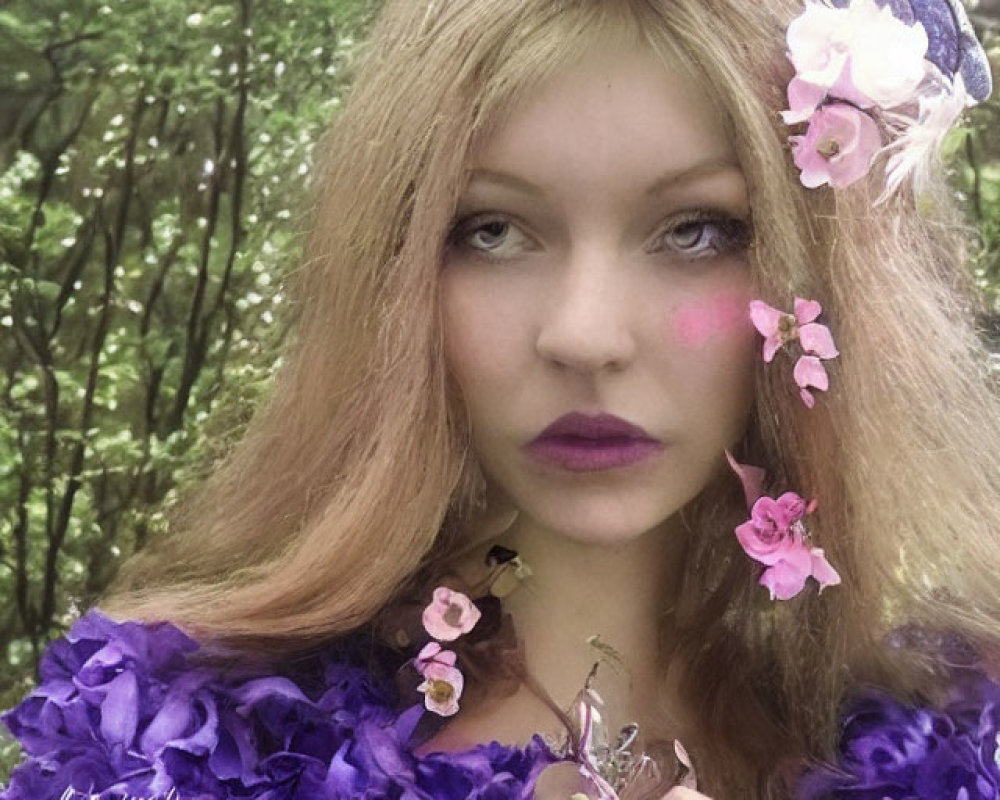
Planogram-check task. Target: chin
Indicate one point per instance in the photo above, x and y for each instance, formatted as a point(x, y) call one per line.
point(601, 527)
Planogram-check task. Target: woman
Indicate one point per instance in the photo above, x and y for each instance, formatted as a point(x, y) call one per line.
point(545, 236)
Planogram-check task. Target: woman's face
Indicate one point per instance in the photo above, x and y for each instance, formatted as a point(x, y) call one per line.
point(594, 295)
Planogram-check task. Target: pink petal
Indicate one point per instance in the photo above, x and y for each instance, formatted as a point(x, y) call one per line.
point(857, 152)
point(810, 372)
point(765, 318)
point(814, 168)
point(772, 345)
point(433, 654)
point(821, 569)
point(806, 310)
point(844, 89)
point(803, 98)
point(783, 580)
point(749, 537)
point(767, 513)
point(752, 479)
point(807, 398)
point(818, 340)
point(794, 506)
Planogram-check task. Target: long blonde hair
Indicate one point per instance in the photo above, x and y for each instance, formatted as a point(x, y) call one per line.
point(327, 510)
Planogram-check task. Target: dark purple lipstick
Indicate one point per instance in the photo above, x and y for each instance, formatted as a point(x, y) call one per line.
point(581, 443)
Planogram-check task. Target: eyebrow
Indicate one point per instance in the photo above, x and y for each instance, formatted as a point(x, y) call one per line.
point(699, 171)
point(669, 180)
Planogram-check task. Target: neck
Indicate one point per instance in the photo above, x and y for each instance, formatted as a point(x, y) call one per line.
point(588, 603)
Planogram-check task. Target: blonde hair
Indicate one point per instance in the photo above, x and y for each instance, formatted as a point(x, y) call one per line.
point(327, 510)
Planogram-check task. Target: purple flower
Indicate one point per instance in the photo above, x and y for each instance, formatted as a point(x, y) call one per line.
point(124, 711)
point(891, 750)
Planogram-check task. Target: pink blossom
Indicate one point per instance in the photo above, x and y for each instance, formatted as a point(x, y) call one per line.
point(779, 329)
point(449, 615)
point(433, 654)
point(776, 536)
point(767, 536)
point(838, 147)
point(442, 688)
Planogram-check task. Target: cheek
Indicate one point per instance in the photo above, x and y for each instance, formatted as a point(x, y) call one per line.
point(710, 320)
point(482, 331)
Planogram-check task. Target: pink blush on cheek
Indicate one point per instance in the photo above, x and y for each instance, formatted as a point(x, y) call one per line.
point(696, 323)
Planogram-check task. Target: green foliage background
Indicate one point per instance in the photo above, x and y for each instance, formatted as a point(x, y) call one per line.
point(154, 158)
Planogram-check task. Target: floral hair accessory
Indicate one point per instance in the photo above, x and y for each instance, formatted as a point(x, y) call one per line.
point(865, 70)
point(442, 686)
point(776, 536)
point(449, 615)
point(781, 329)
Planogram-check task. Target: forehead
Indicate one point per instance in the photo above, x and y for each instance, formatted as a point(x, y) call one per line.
point(613, 116)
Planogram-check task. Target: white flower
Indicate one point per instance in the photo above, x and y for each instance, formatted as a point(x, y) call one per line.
point(818, 44)
point(860, 53)
point(887, 55)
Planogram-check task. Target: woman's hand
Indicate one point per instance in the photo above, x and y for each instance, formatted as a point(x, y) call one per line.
point(680, 793)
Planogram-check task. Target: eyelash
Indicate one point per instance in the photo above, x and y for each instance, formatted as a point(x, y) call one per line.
point(733, 232)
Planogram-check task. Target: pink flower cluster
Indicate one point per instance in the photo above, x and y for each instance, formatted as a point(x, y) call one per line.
point(776, 536)
point(449, 615)
point(848, 60)
point(780, 329)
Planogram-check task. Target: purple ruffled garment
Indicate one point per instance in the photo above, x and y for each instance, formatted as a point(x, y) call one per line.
point(122, 712)
point(890, 751)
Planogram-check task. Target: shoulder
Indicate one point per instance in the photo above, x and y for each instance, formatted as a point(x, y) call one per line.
point(126, 710)
point(891, 749)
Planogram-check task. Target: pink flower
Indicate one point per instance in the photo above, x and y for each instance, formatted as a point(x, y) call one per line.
point(433, 654)
point(838, 147)
point(767, 536)
point(776, 537)
point(449, 615)
point(442, 687)
point(816, 341)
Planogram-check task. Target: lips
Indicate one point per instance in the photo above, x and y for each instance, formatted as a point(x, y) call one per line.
point(582, 443)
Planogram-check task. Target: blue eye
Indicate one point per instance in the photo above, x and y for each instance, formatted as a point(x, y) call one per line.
point(490, 234)
point(702, 234)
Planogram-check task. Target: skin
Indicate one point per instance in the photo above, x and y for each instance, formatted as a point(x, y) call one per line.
point(598, 265)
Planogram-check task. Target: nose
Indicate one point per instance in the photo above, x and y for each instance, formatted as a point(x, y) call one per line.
point(587, 324)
